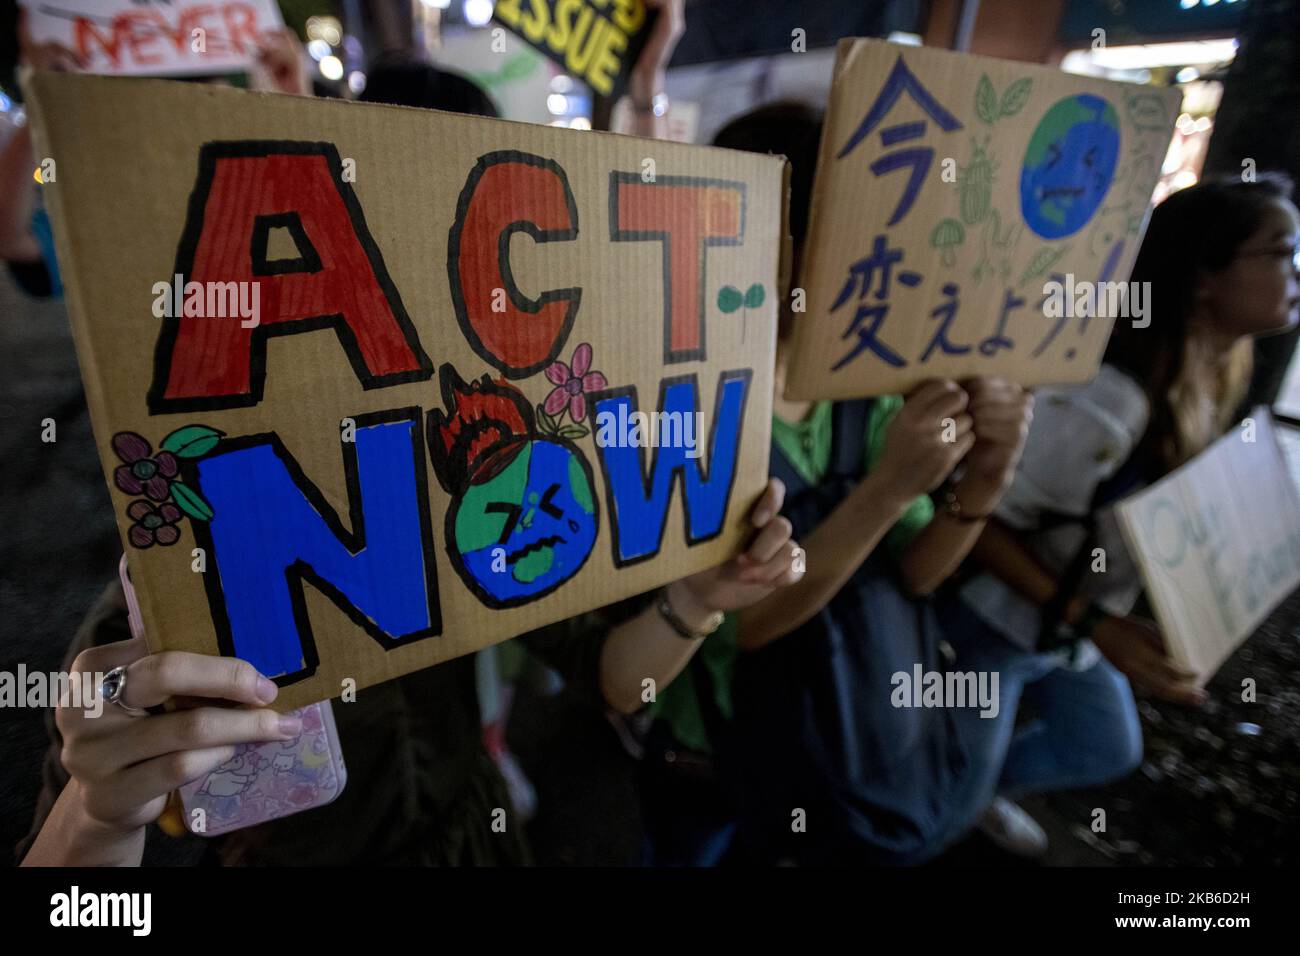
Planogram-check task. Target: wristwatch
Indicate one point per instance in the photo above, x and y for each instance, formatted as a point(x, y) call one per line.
point(680, 627)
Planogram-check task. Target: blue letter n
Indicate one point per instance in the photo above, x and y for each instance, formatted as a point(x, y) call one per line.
point(271, 530)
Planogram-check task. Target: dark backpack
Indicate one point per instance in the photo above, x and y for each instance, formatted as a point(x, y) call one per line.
point(814, 726)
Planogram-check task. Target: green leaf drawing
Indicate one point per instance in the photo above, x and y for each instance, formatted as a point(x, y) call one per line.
point(192, 441)
point(1015, 96)
point(545, 423)
point(191, 502)
point(1041, 261)
point(754, 296)
point(729, 299)
point(986, 101)
point(572, 431)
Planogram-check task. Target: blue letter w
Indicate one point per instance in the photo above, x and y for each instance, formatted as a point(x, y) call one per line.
point(638, 505)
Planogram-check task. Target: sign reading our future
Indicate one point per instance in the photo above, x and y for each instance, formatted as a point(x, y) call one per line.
point(1218, 542)
point(377, 387)
point(971, 216)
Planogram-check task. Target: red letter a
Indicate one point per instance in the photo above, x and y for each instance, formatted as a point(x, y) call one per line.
point(338, 279)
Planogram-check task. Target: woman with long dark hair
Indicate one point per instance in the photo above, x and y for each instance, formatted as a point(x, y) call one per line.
point(1053, 612)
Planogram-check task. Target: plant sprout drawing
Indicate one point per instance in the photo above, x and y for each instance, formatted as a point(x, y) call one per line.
point(990, 109)
point(730, 299)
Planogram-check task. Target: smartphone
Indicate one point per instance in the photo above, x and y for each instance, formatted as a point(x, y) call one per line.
point(260, 782)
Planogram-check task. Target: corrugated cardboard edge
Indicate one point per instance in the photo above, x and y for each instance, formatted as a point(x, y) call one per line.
point(1164, 613)
point(785, 266)
point(843, 59)
point(78, 310)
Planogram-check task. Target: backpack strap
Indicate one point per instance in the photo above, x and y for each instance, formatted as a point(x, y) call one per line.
point(1127, 477)
point(849, 437)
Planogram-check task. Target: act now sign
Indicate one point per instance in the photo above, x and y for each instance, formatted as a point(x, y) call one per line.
point(375, 387)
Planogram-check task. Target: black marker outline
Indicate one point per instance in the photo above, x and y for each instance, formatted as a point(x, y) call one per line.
point(573, 294)
point(209, 155)
point(677, 476)
point(300, 572)
point(616, 234)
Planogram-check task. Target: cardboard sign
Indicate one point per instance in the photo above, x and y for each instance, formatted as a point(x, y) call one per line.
point(375, 387)
point(951, 190)
point(598, 41)
point(1218, 542)
point(155, 38)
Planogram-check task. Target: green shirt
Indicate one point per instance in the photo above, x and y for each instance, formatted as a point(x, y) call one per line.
point(807, 446)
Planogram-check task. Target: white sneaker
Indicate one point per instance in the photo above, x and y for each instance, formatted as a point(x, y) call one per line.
point(1012, 829)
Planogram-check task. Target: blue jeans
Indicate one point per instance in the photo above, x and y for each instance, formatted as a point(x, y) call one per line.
point(1084, 730)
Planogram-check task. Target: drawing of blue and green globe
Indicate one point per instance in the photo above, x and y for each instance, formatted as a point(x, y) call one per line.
point(1069, 165)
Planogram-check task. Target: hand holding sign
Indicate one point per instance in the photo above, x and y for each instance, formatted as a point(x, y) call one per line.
point(438, 408)
point(1136, 649)
point(767, 564)
point(1001, 412)
point(926, 439)
point(1218, 542)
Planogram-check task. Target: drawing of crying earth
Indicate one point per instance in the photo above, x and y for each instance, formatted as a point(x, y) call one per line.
point(523, 517)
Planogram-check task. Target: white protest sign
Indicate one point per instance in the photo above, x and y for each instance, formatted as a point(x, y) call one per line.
point(1218, 542)
point(169, 38)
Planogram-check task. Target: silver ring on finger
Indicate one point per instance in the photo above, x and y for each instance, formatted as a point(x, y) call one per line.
point(113, 689)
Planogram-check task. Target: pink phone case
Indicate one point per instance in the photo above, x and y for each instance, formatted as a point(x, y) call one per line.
point(261, 781)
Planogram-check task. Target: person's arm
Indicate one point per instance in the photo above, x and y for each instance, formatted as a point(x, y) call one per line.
point(71, 837)
point(1134, 646)
point(17, 199)
point(282, 64)
point(1059, 472)
point(646, 79)
point(647, 646)
point(121, 768)
point(835, 549)
point(606, 655)
point(1000, 413)
point(915, 459)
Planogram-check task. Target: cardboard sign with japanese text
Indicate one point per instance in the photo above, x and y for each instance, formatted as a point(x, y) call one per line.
point(598, 41)
point(971, 216)
point(155, 38)
point(375, 387)
point(1218, 542)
